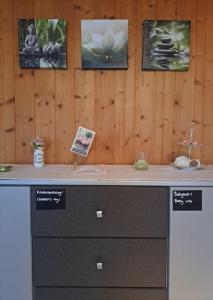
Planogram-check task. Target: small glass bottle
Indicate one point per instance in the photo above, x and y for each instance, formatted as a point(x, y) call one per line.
point(38, 157)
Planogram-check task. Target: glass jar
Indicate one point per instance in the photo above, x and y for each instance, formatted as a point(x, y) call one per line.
point(141, 161)
point(39, 157)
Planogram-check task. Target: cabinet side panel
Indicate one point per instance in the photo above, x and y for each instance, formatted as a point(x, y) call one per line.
point(15, 244)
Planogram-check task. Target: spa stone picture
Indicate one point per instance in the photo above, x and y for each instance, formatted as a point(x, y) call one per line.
point(166, 45)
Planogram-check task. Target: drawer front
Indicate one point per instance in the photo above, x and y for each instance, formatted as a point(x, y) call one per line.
point(99, 294)
point(99, 262)
point(104, 211)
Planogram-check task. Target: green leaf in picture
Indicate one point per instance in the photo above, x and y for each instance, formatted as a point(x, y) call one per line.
point(155, 24)
point(178, 46)
point(154, 39)
point(42, 31)
point(166, 32)
point(53, 23)
point(159, 30)
point(88, 134)
point(61, 37)
point(97, 51)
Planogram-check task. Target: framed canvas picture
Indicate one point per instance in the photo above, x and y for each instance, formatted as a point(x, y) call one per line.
point(166, 45)
point(104, 44)
point(42, 43)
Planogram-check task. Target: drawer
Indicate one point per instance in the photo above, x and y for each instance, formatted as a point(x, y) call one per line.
point(52, 293)
point(104, 211)
point(125, 262)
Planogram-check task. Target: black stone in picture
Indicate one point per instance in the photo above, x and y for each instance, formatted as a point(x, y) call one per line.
point(42, 43)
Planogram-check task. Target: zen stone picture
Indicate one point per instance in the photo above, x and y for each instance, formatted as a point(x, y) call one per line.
point(42, 43)
point(104, 44)
point(166, 45)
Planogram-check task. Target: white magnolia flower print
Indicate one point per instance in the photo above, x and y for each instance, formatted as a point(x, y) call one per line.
point(105, 45)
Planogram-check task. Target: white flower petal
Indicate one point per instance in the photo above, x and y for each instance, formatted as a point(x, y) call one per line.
point(119, 38)
point(109, 31)
point(119, 47)
point(109, 41)
point(97, 39)
point(119, 41)
point(89, 46)
point(92, 47)
point(98, 51)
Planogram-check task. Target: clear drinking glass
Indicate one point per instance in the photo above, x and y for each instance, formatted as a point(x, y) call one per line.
point(141, 161)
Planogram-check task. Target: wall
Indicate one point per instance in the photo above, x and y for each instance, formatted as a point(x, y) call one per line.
point(131, 110)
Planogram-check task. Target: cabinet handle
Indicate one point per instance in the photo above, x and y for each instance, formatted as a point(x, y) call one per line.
point(99, 266)
point(99, 214)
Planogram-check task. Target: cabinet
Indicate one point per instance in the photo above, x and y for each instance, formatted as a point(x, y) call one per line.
point(107, 242)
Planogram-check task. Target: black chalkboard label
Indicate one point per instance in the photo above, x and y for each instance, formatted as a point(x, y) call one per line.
point(187, 200)
point(50, 199)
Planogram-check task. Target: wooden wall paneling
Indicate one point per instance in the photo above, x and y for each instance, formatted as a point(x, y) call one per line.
point(131, 110)
point(2, 152)
point(145, 86)
point(125, 91)
point(160, 119)
point(84, 94)
point(2, 127)
point(24, 91)
point(200, 73)
point(83, 10)
point(207, 101)
point(85, 105)
point(105, 98)
point(64, 88)
point(45, 91)
point(164, 102)
point(184, 94)
point(105, 118)
point(7, 107)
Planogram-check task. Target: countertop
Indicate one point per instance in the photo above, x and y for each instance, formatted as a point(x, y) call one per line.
point(160, 175)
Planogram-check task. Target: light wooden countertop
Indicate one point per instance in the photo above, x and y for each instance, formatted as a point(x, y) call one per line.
point(160, 175)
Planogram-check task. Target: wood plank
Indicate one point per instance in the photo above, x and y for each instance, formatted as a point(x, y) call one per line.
point(125, 91)
point(84, 93)
point(83, 10)
point(185, 90)
point(85, 105)
point(64, 88)
point(45, 91)
point(7, 108)
point(2, 151)
point(208, 92)
point(200, 74)
point(105, 97)
point(145, 86)
point(164, 102)
point(105, 118)
point(24, 91)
